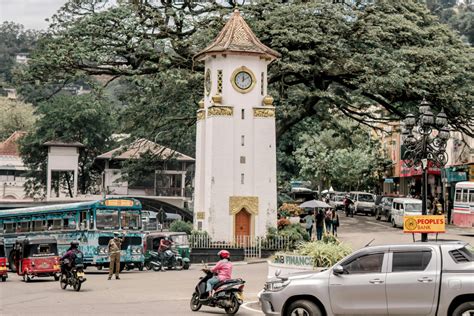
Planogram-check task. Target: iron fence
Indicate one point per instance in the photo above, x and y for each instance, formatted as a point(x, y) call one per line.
point(252, 245)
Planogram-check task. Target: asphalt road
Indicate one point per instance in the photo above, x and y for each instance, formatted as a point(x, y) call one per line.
point(168, 293)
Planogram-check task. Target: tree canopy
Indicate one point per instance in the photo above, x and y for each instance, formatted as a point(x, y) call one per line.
point(87, 119)
point(356, 61)
point(15, 116)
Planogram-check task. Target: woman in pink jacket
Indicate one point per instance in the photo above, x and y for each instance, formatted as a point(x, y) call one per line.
point(223, 270)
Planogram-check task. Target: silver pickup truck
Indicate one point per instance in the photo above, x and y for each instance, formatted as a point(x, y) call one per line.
point(433, 278)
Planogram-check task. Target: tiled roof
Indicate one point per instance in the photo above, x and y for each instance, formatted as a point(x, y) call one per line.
point(237, 37)
point(10, 145)
point(141, 146)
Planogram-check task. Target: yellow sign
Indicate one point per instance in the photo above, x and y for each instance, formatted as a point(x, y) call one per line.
point(424, 224)
point(200, 215)
point(118, 203)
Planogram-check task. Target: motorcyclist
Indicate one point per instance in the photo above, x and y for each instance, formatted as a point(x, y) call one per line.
point(223, 270)
point(165, 244)
point(68, 259)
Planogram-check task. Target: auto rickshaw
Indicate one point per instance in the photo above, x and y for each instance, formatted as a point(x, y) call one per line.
point(37, 257)
point(3, 261)
point(180, 244)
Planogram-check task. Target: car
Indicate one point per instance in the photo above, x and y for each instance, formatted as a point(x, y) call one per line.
point(402, 207)
point(428, 278)
point(363, 202)
point(337, 202)
point(383, 207)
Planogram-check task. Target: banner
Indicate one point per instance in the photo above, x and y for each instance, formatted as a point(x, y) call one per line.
point(406, 171)
point(424, 224)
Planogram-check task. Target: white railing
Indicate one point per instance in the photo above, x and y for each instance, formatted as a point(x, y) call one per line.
point(252, 245)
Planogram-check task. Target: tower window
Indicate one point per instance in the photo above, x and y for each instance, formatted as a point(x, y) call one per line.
point(242, 159)
point(262, 84)
point(242, 178)
point(219, 81)
point(242, 140)
point(243, 114)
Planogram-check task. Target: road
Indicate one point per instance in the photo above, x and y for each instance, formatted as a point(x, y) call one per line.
point(168, 293)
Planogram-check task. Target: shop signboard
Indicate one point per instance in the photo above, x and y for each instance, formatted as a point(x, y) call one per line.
point(424, 224)
point(406, 171)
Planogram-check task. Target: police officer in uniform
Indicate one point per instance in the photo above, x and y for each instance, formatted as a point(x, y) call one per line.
point(115, 244)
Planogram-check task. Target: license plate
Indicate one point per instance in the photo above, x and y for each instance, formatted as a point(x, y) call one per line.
point(44, 265)
point(56, 267)
point(3, 268)
point(80, 274)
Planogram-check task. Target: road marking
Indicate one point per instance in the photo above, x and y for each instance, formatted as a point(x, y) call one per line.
point(250, 308)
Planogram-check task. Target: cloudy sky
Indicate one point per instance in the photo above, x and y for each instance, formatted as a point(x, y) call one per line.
point(30, 13)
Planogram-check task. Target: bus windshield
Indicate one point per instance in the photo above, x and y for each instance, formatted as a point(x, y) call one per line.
point(107, 219)
point(130, 219)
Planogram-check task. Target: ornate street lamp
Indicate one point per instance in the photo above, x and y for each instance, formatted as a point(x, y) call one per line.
point(425, 141)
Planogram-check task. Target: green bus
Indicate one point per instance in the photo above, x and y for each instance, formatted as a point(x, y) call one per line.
point(91, 223)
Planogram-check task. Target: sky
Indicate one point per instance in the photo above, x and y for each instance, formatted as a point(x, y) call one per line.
point(30, 13)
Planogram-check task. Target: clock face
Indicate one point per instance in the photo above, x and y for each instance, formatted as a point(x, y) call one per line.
point(243, 80)
point(207, 82)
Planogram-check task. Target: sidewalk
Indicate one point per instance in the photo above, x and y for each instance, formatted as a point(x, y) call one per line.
point(463, 231)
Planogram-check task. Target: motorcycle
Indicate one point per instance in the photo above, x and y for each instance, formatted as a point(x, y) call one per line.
point(349, 209)
point(171, 260)
point(73, 277)
point(226, 294)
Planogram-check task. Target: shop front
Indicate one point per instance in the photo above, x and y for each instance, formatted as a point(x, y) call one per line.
point(411, 180)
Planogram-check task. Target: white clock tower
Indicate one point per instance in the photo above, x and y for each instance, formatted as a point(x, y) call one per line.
point(235, 182)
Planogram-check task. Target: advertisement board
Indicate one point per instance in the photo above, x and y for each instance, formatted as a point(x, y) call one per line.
point(424, 224)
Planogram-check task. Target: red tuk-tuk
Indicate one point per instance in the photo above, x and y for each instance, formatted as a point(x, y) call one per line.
point(3, 262)
point(37, 257)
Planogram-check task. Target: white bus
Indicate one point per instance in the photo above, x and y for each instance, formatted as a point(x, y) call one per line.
point(463, 210)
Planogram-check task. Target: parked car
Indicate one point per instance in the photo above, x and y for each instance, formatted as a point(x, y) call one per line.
point(363, 202)
point(336, 202)
point(402, 207)
point(383, 207)
point(433, 278)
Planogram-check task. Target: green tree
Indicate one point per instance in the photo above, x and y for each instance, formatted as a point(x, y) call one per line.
point(88, 119)
point(14, 39)
point(15, 116)
point(346, 157)
point(358, 61)
point(181, 226)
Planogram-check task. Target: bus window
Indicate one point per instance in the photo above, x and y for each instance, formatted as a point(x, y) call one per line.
point(23, 227)
point(38, 225)
point(69, 223)
point(10, 227)
point(471, 196)
point(107, 219)
point(458, 195)
point(464, 195)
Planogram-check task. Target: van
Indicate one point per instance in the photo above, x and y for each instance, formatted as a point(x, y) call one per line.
point(402, 207)
point(363, 202)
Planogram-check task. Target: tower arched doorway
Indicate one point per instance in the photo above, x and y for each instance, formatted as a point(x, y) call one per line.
point(243, 222)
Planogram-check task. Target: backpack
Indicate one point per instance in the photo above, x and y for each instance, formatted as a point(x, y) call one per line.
point(78, 258)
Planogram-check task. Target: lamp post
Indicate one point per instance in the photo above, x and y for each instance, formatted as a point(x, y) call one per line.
point(425, 141)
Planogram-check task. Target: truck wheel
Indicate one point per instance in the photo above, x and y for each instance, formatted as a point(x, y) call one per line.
point(186, 266)
point(304, 307)
point(464, 309)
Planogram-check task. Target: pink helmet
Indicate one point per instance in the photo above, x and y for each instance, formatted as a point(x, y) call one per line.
point(224, 254)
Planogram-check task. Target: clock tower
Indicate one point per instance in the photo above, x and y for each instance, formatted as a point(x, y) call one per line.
point(235, 182)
